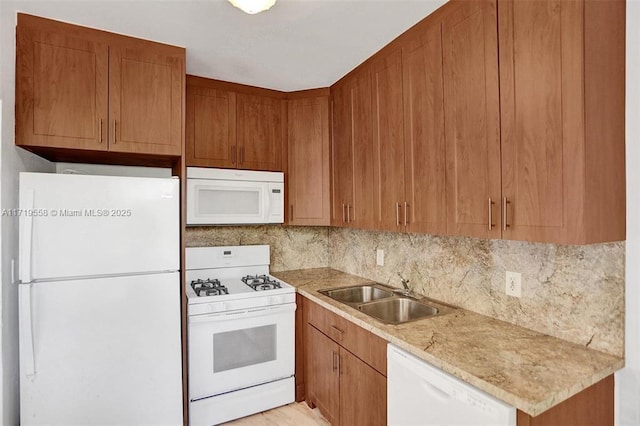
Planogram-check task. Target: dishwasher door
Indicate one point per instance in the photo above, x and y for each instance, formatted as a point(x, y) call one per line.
point(420, 394)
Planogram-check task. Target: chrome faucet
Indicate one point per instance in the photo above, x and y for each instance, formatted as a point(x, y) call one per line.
point(405, 284)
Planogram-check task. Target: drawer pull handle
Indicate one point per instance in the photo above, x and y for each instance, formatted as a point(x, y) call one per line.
point(337, 329)
point(406, 213)
point(491, 224)
point(505, 203)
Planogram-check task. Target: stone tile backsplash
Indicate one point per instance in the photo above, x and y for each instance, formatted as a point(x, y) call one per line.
point(575, 293)
point(292, 247)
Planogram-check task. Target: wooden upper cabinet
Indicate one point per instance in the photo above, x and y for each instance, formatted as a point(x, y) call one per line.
point(211, 125)
point(472, 119)
point(145, 101)
point(562, 97)
point(353, 152)
point(424, 141)
point(523, 142)
point(388, 142)
point(260, 132)
point(342, 154)
point(80, 91)
point(235, 126)
point(61, 90)
point(361, 214)
point(308, 165)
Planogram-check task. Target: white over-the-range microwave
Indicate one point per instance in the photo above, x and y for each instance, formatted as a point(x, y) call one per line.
point(230, 197)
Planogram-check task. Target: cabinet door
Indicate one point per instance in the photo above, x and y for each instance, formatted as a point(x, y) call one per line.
point(424, 142)
point(388, 143)
point(361, 213)
point(471, 108)
point(260, 132)
point(211, 127)
point(323, 379)
point(61, 91)
point(363, 393)
point(146, 90)
point(308, 148)
point(341, 155)
point(541, 86)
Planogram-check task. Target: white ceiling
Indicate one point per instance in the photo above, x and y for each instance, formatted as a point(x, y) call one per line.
point(298, 44)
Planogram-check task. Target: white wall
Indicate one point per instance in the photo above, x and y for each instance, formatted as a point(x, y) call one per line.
point(12, 161)
point(628, 380)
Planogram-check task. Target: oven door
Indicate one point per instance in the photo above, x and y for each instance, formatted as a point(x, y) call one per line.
point(238, 349)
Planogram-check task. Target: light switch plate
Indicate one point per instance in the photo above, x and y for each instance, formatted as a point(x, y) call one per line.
point(380, 257)
point(513, 284)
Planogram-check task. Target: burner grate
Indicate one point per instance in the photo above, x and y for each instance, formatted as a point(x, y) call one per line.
point(261, 282)
point(208, 287)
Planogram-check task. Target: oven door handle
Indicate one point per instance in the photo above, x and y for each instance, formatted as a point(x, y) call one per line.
point(243, 313)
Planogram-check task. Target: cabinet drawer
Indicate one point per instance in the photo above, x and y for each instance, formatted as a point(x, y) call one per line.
point(362, 343)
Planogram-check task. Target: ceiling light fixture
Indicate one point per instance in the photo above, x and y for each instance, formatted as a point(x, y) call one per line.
point(253, 6)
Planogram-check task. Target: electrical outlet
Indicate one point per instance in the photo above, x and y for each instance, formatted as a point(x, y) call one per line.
point(514, 284)
point(380, 257)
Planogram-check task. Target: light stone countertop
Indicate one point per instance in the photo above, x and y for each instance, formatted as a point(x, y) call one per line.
point(526, 369)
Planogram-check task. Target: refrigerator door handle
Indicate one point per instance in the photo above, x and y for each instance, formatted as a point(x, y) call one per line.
point(26, 331)
point(26, 234)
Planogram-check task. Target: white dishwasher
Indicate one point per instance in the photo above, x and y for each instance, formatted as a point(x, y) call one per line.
point(420, 394)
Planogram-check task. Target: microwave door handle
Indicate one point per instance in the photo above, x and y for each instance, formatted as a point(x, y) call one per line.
point(267, 202)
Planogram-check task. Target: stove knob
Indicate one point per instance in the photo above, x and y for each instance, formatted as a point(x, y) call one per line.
point(276, 300)
point(217, 307)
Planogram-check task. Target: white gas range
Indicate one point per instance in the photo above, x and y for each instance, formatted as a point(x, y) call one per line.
point(241, 334)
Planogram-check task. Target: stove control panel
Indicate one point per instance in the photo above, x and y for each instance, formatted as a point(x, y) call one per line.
point(239, 304)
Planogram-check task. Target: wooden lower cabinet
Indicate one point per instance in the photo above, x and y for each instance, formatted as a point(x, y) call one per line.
point(346, 389)
point(323, 374)
point(593, 406)
point(348, 386)
point(344, 376)
point(363, 392)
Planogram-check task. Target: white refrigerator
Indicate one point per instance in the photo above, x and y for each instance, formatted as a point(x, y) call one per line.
point(99, 294)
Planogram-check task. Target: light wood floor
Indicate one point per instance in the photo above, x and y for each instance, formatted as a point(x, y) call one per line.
point(295, 414)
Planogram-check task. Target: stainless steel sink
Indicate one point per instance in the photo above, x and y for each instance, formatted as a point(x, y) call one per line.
point(398, 310)
point(358, 294)
point(386, 304)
